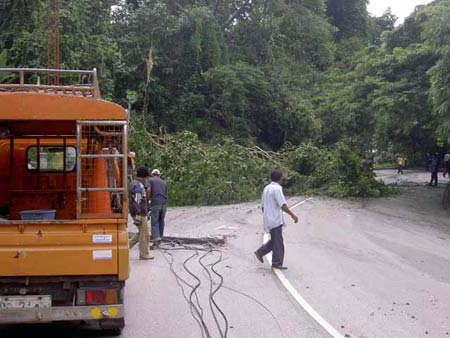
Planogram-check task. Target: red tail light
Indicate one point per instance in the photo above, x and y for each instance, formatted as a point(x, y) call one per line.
point(95, 297)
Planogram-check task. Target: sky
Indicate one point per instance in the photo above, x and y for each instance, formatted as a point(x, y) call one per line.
point(401, 8)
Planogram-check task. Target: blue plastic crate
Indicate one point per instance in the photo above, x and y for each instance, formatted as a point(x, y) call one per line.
point(37, 215)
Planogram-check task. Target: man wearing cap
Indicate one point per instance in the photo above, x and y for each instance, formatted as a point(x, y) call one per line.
point(138, 210)
point(157, 190)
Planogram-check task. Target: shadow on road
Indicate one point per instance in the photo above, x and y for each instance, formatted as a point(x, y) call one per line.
point(57, 330)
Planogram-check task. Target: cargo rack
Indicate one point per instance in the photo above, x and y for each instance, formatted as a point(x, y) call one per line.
point(88, 88)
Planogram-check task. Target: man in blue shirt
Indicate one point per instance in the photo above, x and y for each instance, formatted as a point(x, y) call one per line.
point(157, 190)
point(273, 205)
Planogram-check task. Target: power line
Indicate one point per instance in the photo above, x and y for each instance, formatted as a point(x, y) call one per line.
point(213, 292)
point(259, 303)
point(193, 299)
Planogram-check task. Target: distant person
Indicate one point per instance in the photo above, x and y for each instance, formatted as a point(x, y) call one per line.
point(428, 161)
point(139, 210)
point(157, 190)
point(273, 205)
point(434, 168)
point(400, 164)
point(447, 163)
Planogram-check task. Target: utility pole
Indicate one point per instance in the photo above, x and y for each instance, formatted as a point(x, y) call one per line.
point(149, 78)
point(53, 40)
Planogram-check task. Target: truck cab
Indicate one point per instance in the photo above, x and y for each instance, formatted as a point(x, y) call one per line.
point(63, 200)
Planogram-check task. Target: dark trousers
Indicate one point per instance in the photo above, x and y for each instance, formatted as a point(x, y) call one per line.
point(276, 245)
point(400, 169)
point(434, 178)
point(158, 215)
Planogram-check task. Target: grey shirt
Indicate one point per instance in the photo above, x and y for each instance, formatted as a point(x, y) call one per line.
point(158, 191)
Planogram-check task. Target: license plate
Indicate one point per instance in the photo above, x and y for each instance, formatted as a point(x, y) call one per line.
point(24, 302)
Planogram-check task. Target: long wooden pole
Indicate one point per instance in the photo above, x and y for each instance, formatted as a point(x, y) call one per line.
point(149, 77)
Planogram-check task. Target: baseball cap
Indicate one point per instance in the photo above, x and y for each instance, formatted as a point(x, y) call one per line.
point(156, 172)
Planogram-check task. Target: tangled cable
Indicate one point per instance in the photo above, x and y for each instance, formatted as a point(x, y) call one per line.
point(192, 299)
point(196, 309)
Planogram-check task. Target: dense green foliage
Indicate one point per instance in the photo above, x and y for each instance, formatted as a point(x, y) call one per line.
point(224, 172)
point(321, 83)
point(199, 173)
point(397, 92)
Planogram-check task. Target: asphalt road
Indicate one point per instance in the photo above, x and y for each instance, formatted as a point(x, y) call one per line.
point(372, 268)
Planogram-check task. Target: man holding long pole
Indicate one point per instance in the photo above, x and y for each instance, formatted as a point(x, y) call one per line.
point(273, 206)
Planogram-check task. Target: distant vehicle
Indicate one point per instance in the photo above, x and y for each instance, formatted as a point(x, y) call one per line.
point(63, 201)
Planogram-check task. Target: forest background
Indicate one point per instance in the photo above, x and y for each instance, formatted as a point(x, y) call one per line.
point(319, 89)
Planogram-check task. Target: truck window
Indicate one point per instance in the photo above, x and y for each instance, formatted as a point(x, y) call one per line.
point(51, 159)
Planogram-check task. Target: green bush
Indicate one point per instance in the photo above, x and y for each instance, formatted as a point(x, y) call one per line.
point(198, 173)
point(337, 172)
point(203, 174)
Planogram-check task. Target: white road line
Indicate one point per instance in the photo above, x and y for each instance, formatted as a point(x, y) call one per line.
point(297, 296)
point(300, 203)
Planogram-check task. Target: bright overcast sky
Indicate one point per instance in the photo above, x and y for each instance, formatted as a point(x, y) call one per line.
point(401, 8)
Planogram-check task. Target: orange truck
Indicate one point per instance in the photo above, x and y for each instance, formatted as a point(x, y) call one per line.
point(63, 200)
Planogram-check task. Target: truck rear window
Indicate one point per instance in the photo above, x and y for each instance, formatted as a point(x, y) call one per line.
point(51, 159)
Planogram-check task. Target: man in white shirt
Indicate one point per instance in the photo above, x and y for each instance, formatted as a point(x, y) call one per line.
point(447, 163)
point(273, 204)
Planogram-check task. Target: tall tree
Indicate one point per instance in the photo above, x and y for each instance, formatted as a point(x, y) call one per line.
point(350, 17)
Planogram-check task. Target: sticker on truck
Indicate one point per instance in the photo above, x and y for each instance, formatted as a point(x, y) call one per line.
point(102, 239)
point(101, 255)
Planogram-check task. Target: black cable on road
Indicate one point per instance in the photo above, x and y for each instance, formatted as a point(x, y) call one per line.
point(196, 309)
point(212, 302)
point(191, 307)
point(220, 260)
point(259, 303)
point(193, 291)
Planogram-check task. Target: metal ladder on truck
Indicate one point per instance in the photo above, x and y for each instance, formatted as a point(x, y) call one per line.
point(102, 168)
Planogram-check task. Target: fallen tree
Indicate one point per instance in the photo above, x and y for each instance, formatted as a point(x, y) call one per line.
point(200, 173)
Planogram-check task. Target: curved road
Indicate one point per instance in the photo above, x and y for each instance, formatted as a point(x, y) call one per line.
point(372, 268)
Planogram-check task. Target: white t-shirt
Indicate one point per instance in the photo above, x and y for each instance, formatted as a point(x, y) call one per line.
point(272, 201)
point(446, 157)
